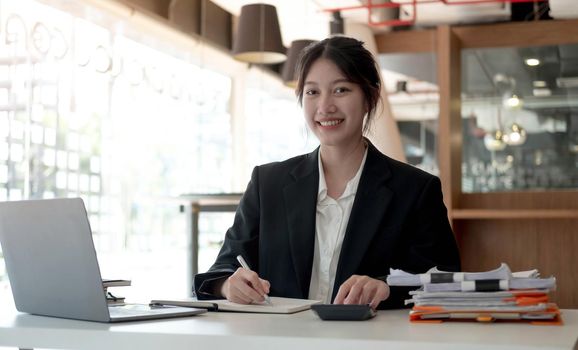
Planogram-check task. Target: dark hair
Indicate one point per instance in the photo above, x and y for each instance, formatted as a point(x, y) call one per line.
point(354, 61)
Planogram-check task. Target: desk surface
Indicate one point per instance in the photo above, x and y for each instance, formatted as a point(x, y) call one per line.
point(213, 199)
point(389, 329)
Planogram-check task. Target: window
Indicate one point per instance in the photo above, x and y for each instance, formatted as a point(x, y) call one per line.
point(87, 111)
point(275, 129)
point(128, 120)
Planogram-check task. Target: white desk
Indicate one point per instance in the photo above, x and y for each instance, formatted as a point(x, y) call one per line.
point(230, 331)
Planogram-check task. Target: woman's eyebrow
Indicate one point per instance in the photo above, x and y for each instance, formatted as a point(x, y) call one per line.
point(336, 81)
point(342, 80)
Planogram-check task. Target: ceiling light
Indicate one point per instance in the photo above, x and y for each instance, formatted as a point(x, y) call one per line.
point(288, 73)
point(515, 135)
point(493, 141)
point(532, 62)
point(503, 81)
point(258, 36)
point(542, 92)
point(513, 102)
point(539, 83)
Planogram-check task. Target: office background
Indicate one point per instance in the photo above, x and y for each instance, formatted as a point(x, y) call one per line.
point(132, 104)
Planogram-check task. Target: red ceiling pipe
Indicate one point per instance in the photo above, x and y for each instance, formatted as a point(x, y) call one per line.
point(397, 22)
point(464, 2)
point(370, 6)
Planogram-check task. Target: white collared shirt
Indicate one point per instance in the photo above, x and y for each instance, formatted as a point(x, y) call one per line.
point(330, 224)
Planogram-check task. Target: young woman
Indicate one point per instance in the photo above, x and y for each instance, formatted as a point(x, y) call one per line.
point(329, 225)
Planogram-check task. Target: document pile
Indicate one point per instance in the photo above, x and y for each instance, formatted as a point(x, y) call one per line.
point(482, 296)
point(114, 299)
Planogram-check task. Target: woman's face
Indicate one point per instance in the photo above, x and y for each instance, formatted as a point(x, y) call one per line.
point(334, 106)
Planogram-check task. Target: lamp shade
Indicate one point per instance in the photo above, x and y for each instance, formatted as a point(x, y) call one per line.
point(289, 74)
point(258, 36)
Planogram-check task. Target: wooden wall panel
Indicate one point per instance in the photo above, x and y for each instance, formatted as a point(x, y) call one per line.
point(449, 126)
point(558, 256)
point(484, 244)
point(520, 34)
point(158, 7)
point(548, 245)
point(204, 18)
point(415, 41)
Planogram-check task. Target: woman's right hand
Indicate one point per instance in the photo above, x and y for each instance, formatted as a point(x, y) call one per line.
point(245, 287)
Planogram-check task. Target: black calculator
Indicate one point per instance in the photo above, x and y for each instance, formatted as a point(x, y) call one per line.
point(339, 312)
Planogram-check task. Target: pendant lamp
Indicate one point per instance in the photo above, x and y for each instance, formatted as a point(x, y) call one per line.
point(516, 135)
point(494, 141)
point(258, 36)
point(288, 73)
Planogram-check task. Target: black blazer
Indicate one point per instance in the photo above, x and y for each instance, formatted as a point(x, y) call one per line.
point(398, 220)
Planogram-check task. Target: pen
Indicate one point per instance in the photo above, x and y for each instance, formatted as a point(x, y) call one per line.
point(246, 267)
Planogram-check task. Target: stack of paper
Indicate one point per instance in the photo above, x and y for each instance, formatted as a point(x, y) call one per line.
point(483, 296)
point(114, 299)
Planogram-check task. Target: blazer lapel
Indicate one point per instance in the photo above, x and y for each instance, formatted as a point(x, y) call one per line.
point(301, 203)
point(369, 207)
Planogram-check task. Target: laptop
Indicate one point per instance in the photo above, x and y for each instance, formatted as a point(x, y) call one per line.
point(52, 265)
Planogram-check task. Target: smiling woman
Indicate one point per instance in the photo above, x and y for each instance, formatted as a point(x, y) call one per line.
point(355, 64)
point(329, 225)
point(334, 106)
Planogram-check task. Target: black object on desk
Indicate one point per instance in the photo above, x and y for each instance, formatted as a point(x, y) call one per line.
point(339, 312)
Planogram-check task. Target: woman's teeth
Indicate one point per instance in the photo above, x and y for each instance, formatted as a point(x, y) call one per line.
point(330, 122)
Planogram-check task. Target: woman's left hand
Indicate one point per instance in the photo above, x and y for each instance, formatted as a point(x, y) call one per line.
point(362, 290)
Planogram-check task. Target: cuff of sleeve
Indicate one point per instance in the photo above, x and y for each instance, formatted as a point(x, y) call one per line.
point(205, 286)
point(397, 296)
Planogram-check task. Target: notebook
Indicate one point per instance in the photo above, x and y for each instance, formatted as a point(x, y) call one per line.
point(52, 265)
point(278, 305)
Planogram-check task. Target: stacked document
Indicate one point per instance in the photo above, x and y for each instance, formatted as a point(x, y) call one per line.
point(482, 296)
point(114, 299)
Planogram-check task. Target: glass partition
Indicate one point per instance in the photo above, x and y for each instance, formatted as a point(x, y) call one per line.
point(520, 118)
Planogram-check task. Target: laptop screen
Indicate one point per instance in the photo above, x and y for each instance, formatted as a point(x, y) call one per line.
point(51, 260)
